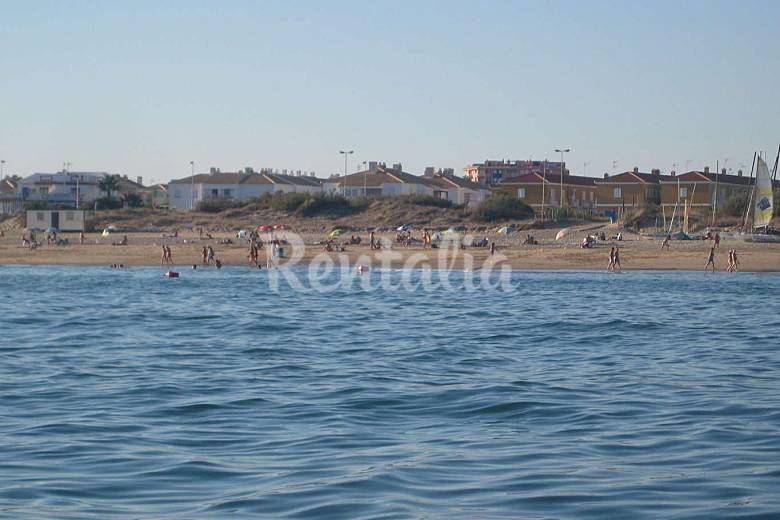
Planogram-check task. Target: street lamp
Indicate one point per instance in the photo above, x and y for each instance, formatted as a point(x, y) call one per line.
point(192, 185)
point(344, 182)
point(562, 151)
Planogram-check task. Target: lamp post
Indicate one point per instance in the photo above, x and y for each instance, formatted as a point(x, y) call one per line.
point(562, 151)
point(344, 182)
point(192, 185)
point(2, 167)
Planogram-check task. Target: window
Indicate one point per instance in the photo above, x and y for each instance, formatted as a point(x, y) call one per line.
point(215, 193)
point(39, 216)
point(617, 193)
point(227, 193)
point(44, 191)
point(69, 216)
point(520, 193)
point(684, 193)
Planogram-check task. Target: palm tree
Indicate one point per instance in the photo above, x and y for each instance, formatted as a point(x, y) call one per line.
point(108, 184)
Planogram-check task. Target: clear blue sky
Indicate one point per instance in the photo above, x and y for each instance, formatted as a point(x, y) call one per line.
point(143, 87)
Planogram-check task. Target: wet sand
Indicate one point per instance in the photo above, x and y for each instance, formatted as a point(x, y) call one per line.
point(637, 252)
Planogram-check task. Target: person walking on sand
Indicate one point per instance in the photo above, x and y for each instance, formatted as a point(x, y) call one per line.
point(164, 257)
point(734, 261)
point(667, 239)
point(717, 240)
point(205, 254)
point(371, 241)
point(616, 261)
point(710, 260)
point(209, 256)
point(168, 255)
point(611, 264)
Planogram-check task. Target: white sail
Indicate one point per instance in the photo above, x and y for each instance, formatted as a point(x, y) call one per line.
point(762, 209)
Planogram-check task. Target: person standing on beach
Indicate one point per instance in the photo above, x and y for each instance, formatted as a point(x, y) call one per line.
point(717, 240)
point(169, 254)
point(611, 264)
point(371, 240)
point(492, 248)
point(81, 238)
point(205, 254)
point(209, 256)
point(164, 257)
point(616, 261)
point(734, 261)
point(710, 260)
point(666, 245)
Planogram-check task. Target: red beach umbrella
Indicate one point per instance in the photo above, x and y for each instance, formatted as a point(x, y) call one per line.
point(264, 228)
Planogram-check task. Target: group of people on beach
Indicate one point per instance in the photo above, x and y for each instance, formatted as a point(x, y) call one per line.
point(167, 257)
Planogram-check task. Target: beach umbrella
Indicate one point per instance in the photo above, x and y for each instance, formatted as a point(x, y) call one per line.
point(335, 233)
point(264, 228)
point(52, 230)
point(562, 233)
point(281, 226)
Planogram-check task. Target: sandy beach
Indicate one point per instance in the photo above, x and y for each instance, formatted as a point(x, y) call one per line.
point(637, 252)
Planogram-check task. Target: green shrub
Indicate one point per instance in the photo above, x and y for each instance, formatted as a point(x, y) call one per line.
point(217, 205)
point(106, 203)
point(287, 202)
point(425, 200)
point(330, 205)
point(33, 205)
point(735, 205)
point(501, 207)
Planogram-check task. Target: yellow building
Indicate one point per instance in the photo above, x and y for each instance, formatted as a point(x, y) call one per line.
point(539, 190)
point(629, 189)
point(698, 188)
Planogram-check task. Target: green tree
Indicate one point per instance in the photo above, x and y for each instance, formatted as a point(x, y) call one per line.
point(108, 184)
point(133, 200)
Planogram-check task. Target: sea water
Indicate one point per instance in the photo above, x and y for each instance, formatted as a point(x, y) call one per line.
point(572, 395)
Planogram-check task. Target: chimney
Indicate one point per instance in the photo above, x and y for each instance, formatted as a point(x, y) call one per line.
point(706, 169)
point(248, 169)
point(606, 175)
point(636, 169)
point(429, 171)
point(139, 180)
point(213, 170)
point(656, 171)
point(398, 167)
point(739, 173)
point(372, 165)
point(674, 173)
point(124, 176)
point(723, 171)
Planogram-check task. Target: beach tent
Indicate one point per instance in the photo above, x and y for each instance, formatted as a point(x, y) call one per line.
point(562, 233)
point(264, 228)
point(52, 230)
point(109, 229)
point(506, 230)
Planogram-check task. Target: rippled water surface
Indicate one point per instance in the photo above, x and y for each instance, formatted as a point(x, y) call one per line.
point(579, 395)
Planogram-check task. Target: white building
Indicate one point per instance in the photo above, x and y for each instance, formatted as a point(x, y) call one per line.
point(380, 181)
point(186, 193)
point(63, 220)
point(62, 187)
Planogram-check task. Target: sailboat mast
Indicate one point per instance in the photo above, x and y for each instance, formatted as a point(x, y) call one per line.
point(750, 197)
